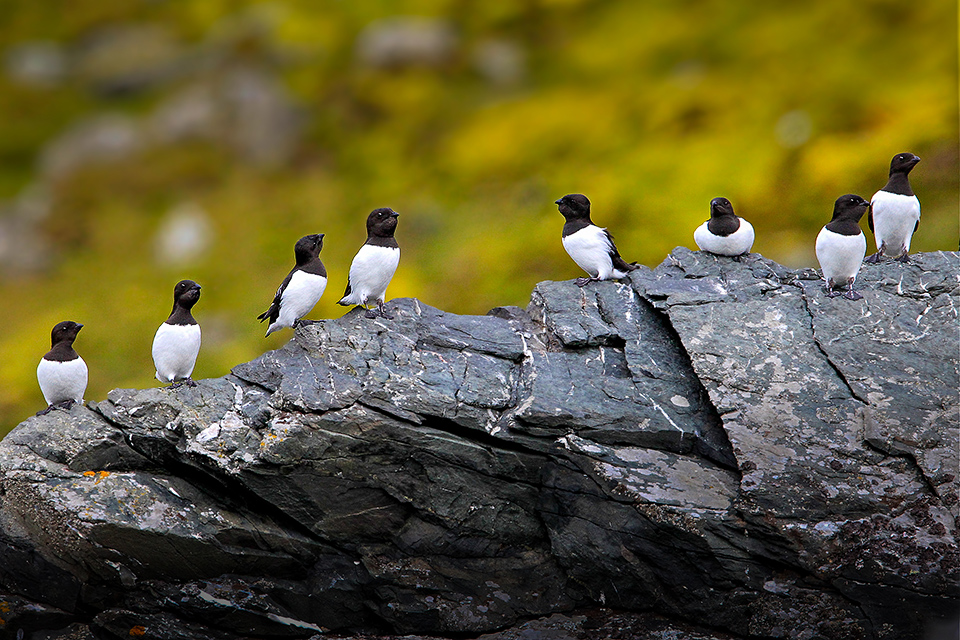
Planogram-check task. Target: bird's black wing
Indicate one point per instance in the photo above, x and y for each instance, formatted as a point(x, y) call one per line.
point(618, 262)
point(274, 311)
point(870, 218)
point(345, 294)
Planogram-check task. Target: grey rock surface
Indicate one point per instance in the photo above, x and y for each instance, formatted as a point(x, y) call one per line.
point(710, 449)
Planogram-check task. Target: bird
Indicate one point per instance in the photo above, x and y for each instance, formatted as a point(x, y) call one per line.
point(375, 263)
point(590, 246)
point(895, 211)
point(301, 289)
point(841, 246)
point(177, 342)
point(724, 234)
point(62, 373)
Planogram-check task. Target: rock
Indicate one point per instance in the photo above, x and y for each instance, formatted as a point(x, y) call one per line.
point(39, 63)
point(713, 441)
point(24, 248)
point(184, 235)
point(244, 108)
point(128, 57)
point(407, 41)
point(101, 139)
point(502, 62)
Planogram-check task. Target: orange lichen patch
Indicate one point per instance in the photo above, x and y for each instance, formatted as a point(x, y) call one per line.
point(5, 606)
point(99, 475)
point(138, 631)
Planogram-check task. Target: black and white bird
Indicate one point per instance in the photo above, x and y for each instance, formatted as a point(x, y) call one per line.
point(62, 373)
point(590, 246)
point(724, 234)
point(301, 289)
point(375, 263)
point(177, 343)
point(841, 246)
point(895, 211)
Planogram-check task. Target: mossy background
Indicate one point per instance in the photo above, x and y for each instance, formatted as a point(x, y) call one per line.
point(651, 109)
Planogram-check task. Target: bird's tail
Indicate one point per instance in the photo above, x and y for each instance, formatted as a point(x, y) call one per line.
point(349, 297)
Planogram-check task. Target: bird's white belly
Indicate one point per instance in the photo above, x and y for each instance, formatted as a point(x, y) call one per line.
point(840, 256)
point(60, 381)
point(175, 349)
point(895, 216)
point(370, 273)
point(301, 295)
point(737, 243)
point(590, 249)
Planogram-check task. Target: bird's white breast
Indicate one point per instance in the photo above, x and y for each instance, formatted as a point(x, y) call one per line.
point(735, 244)
point(895, 216)
point(840, 256)
point(175, 349)
point(60, 381)
point(590, 248)
point(370, 273)
point(301, 295)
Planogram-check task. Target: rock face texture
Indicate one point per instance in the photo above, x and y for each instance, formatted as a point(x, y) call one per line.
point(712, 443)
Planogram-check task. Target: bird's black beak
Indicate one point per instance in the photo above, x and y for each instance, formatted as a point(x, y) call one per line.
point(79, 326)
point(560, 201)
point(320, 235)
point(395, 214)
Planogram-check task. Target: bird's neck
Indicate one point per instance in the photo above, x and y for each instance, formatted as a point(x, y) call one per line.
point(899, 183)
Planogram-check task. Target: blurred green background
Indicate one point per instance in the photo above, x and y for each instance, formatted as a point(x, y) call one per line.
point(145, 141)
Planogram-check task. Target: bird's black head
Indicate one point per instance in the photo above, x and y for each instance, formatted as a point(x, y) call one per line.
point(65, 331)
point(186, 294)
point(903, 163)
point(720, 207)
point(308, 248)
point(574, 206)
point(850, 207)
point(382, 222)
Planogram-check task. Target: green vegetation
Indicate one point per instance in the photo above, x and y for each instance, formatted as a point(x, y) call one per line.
point(651, 109)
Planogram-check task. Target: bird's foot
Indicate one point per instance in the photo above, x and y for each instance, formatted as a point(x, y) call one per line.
point(369, 313)
point(852, 295)
point(66, 405)
point(903, 258)
point(383, 312)
point(830, 291)
point(740, 257)
point(188, 382)
point(582, 282)
point(874, 259)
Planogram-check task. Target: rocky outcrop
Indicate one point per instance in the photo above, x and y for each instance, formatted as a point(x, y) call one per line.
point(712, 449)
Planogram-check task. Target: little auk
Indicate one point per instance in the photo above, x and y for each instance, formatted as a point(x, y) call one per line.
point(841, 246)
point(62, 373)
point(895, 211)
point(590, 246)
point(375, 263)
point(724, 234)
point(301, 289)
point(177, 343)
